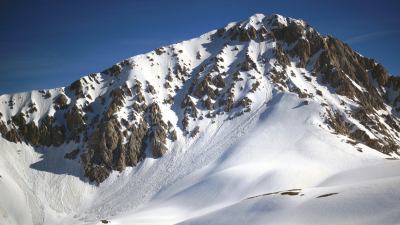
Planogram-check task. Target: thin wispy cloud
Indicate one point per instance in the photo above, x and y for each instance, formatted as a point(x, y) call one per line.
point(370, 36)
point(155, 42)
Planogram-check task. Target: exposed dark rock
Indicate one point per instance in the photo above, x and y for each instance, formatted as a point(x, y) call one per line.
point(219, 81)
point(75, 122)
point(254, 86)
point(246, 102)
point(19, 119)
point(103, 147)
point(12, 136)
point(229, 102)
point(203, 88)
point(11, 104)
point(380, 74)
point(150, 89)
point(134, 149)
point(185, 122)
point(220, 32)
point(49, 133)
point(302, 50)
point(338, 123)
point(290, 33)
point(117, 101)
point(198, 56)
point(300, 93)
point(187, 102)
point(339, 63)
point(97, 173)
point(195, 131)
point(169, 99)
point(158, 134)
point(167, 85)
point(157, 142)
point(236, 76)
point(60, 102)
point(169, 77)
point(248, 64)
point(77, 88)
point(3, 128)
point(173, 135)
point(72, 155)
point(113, 71)
point(47, 95)
point(208, 103)
point(244, 34)
point(160, 51)
point(281, 57)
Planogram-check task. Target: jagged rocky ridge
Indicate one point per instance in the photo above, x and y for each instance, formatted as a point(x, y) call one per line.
point(142, 106)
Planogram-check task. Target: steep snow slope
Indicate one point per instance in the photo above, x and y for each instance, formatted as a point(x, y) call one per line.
point(183, 132)
point(31, 195)
point(284, 149)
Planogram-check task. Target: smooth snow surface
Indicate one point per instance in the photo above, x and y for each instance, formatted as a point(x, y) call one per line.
point(365, 202)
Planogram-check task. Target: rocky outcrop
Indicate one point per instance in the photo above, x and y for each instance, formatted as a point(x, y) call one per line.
point(107, 152)
point(77, 88)
point(290, 33)
point(248, 64)
point(103, 148)
point(46, 133)
point(60, 102)
point(113, 71)
point(134, 149)
point(340, 66)
point(157, 134)
point(74, 122)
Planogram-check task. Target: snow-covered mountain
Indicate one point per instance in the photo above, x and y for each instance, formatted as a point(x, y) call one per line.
point(263, 121)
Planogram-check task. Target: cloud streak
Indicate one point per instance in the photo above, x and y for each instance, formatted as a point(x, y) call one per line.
point(370, 36)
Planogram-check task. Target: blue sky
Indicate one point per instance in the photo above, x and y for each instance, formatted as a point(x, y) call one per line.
point(46, 44)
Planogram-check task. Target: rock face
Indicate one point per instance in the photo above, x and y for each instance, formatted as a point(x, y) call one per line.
point(144, 106)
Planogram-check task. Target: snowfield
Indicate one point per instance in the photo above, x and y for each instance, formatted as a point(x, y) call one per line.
point(281, 147)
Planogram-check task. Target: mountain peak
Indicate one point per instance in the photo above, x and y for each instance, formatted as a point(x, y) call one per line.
point(241, 116)
point(146, 105)
point(271, 21)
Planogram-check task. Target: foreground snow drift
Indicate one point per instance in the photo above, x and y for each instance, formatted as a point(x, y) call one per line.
point(370, 200)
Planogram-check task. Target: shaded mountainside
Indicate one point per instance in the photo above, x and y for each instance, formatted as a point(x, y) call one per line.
point(148, 104)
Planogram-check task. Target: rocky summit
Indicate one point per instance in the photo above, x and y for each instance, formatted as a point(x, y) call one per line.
point(143, 106)
point(257, 110)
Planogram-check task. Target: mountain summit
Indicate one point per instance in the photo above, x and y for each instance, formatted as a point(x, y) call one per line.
point(267, 90)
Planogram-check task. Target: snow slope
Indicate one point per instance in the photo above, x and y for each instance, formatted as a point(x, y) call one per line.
point(371, 201)
point(282, 147)
point(276, 154)
point(33, 196)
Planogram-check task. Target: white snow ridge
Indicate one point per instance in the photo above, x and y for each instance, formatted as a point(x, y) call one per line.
point(264, 121)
